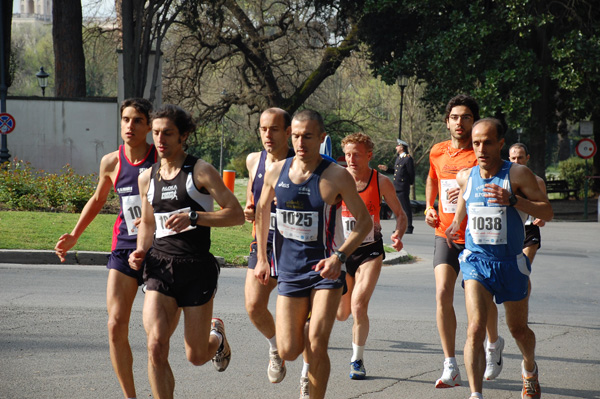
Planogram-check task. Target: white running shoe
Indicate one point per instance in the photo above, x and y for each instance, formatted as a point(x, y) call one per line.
point(304, 388)
point(223, 355)
point(276, 370)
point(493, 360)
point(450, 377)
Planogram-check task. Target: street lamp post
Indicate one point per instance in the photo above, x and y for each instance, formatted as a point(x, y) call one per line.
point(42, 77)
point(402, 82)
point(223, 94)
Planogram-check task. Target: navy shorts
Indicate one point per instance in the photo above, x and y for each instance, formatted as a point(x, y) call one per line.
point(253, 259)
point(506, 279)
point(301, 285)
point(532, 236)
point(119, 260)
point(364, 254)
point(444, 255)
point(192, 281)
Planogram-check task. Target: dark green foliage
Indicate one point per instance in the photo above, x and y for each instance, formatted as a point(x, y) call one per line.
point(24, 188)
point(573, 171)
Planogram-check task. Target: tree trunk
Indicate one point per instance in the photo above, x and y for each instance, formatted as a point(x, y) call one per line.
point(69, 61)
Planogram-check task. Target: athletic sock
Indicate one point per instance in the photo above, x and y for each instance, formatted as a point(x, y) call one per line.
point(219, 337)
point(528, 374)
point(477, 395)
point(304, 369)
point(492, 346)
point(357, 352)
point(451, 360)
point(272, 343)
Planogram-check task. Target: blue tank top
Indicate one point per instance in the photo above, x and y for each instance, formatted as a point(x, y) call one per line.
point(177, 195)
point(492, 230)
point(305, 223)
point(257, 186)
point(126, 187)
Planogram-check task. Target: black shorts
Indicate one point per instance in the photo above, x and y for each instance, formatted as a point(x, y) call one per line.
point(444, 255)
point(192, 281)
point(364, 254)
point(532, 236)
point(253, 259)
point(119, 260)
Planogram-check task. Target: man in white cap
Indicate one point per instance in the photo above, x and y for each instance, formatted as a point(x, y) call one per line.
point(404, 177)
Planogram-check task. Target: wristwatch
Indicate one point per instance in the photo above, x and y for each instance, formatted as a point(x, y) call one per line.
point(193, 218)
point(341, 256)
point(512, 200)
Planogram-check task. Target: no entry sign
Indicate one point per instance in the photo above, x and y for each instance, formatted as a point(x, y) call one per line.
point(586, 148)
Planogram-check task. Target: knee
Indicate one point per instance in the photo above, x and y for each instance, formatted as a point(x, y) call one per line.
point(343, 313)
point(158, 352)
point(520, 332)
point(118, 329)
point(444, 297)
point(476, 332)
point(254, 307)
point(289, 353)
point(197, 358)
point(359, 310)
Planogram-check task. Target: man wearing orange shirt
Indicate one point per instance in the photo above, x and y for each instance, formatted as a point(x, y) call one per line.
point(446, 160)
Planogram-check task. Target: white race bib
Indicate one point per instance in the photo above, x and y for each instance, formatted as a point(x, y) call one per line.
point(348, 223)
point(447, 205)
point(161, 219)
point(272, 221)
point(487, 224)
point(132, 209)
point(298, 225)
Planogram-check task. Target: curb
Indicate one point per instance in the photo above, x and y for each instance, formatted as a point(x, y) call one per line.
point(396, 258)
point(45, 257)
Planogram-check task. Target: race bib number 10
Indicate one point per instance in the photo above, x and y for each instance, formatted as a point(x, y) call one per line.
point(349, 222)
point(132, 209)
point(161, 219)
point(487, 224)
point(298, 225)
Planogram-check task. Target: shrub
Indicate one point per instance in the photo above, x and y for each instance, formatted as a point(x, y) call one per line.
point(573, 171)
point(17, 179)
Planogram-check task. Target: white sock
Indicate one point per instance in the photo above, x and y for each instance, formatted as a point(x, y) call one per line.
point(357, 352)
point(526, 373)
point(304, 369)
point(272, 343)
point(477, 395)
point(219, 337)
point(451, 360)
point(491, 346)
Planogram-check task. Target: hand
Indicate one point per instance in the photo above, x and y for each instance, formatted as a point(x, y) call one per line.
point(497, 194)
point(249, 213)
point(137, 222)
point(330, 268)
point(452, 233)
point(397, 241)
point(64, 244)
point(382, 167)
point(452, 195)
point(262, 272)
point(539, 222)
point(179, 222)
point(136, 259)
point(431, 218)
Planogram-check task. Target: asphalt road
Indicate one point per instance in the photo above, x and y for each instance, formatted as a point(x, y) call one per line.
point(53, 339)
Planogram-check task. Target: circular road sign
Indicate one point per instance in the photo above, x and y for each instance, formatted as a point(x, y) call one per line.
point(586, 148)
point(7, 123)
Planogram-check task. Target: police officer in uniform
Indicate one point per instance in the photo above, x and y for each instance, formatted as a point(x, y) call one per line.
point(404, 177)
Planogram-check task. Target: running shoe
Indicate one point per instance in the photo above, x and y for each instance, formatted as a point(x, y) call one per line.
point(276, 370)
point(223, 355)
point(531, 386)
point(304, 388)
point(493, 360)
point(450, 377)
point(357, 370)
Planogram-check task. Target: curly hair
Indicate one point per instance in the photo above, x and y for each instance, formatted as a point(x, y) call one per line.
point(180, 117)
point(358, 138)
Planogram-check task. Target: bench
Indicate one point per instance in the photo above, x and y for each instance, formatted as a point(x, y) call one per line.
point(561, 187)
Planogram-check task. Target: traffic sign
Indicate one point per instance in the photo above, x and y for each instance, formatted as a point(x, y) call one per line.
point(7, 123)
point(586, 148)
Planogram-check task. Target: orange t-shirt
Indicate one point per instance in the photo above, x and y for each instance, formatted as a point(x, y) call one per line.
point(445, 162)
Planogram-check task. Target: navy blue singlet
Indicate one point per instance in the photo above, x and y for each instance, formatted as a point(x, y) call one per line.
point(126, 187)
point(305, 223)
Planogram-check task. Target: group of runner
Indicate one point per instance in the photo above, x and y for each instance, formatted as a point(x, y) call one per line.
point(295, 199)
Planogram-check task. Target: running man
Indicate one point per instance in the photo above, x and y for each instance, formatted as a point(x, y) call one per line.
point(309, 191)
point(120, 169)
point(178, 194)
point(518, 153)
point(446, 160)
point(364, 265)
point(275, 129)
point(497, 196)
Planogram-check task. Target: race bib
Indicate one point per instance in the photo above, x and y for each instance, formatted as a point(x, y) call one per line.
point(272, 221)
point(447, 205)
point(132, 209)
point(298, 225)
point(487, 224)
point(161, 219)
point(348, 223)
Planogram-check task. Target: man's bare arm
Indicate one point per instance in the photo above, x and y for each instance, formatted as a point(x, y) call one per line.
point(452, 232)
point(146, 226)
point(389, 195)
point(251, 164)
point(431, 193)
